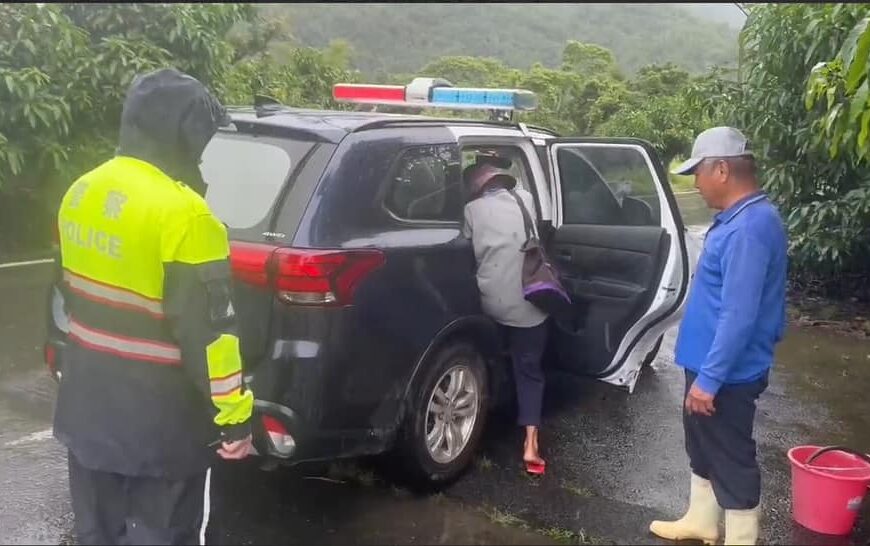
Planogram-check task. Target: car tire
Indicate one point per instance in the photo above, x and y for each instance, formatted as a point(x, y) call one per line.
point(429, 467)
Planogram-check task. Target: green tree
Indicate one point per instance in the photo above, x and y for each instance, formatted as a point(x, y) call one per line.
point(467, 71)
point(252, 37)
point(589, 60)
point(668, 107)
point(660, 80)
point(303, 78)
point(63, 71)
point(843, 83)
point(663, 121)
point(193, 35)
point(823, 193)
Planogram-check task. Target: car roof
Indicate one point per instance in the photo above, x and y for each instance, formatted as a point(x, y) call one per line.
point(334, 125)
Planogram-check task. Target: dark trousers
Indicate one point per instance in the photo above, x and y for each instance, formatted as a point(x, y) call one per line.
point(526, 347)
point(721, 448)
point(115, 509)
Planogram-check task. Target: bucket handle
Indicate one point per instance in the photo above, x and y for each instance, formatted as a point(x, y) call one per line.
point(844, 449)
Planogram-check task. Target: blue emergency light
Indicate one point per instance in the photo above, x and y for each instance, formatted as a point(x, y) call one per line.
point(436, 93)
point(496, 99)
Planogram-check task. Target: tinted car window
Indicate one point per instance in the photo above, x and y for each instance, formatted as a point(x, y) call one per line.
point(425, 185)
point(245, 176)
point(607, 186)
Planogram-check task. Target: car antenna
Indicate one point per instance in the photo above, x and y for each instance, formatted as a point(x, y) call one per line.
point(265, 105)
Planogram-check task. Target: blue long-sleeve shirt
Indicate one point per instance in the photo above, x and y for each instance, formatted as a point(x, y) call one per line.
point(736, 309)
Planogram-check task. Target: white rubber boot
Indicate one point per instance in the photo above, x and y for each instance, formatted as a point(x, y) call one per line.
point(741, 527)
point(701, 521)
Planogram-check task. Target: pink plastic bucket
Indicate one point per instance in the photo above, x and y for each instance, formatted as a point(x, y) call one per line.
point(828, 486)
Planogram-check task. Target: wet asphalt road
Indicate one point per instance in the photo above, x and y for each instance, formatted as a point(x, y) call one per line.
point(615, 461)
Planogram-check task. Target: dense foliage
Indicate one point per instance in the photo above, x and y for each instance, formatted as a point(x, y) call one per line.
point(63, 73)
point(800, 93)
point(803, 100)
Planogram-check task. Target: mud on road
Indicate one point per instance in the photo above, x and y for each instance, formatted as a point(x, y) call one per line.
point(615, 461)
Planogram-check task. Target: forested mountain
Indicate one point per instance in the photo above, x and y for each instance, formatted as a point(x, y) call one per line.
point(726, 12)
point(391, 38)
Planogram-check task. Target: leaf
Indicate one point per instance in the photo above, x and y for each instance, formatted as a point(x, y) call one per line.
point(832, 117)
point(859, 101)
point(854, 53)
point(14, 161)
point(864, 135)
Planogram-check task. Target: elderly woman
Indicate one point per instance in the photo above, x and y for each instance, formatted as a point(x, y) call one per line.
point(494, 223)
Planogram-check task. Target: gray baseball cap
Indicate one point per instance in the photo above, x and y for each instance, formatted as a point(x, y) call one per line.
point(715, 142)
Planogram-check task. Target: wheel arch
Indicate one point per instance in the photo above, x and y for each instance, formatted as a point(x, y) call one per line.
point(481, 332)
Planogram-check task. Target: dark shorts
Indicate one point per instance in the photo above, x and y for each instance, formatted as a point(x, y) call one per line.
point(721, 448)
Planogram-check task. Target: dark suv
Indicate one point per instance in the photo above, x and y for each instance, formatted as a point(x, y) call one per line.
point(359, 313)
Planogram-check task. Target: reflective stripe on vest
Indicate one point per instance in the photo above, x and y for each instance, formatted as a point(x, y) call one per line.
point(112, 296)
point(223, 386)
point(125, 347)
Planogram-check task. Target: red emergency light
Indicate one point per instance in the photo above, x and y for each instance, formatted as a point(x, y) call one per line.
point(369, 94)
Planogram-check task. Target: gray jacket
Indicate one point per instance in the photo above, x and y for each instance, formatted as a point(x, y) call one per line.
point(494, 224)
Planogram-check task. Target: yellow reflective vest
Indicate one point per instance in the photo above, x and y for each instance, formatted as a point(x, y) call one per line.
point(152, 372)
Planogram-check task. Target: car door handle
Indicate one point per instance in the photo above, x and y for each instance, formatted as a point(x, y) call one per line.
point(565, 255)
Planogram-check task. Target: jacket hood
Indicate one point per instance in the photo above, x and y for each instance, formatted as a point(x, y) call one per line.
point(167, 120)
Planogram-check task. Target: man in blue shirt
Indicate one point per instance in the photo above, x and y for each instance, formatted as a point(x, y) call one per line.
point(734, 318)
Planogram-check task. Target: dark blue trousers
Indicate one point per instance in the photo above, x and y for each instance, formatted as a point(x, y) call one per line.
point(115, 509)
point(526, 347)
point(721, 448)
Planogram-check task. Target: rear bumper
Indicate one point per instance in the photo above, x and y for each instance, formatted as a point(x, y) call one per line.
point(310, 443)
point(331, 378)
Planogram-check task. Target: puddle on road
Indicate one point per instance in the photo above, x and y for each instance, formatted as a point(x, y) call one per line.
point(832, 371)
point(286, 507)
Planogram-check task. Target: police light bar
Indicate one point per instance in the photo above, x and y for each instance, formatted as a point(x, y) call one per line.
point(436, 93)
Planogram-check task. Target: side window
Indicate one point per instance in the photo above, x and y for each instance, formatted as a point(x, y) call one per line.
point(607, 185)
point(425, 185)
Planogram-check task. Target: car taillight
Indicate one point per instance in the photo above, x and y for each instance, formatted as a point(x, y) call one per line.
point(304, 276)
point(250, 262)
point(281, 440)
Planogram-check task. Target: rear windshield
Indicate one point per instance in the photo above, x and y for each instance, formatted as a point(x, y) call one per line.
point(245, 175)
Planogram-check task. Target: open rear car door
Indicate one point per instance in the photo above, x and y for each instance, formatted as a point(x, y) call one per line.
point(619, 243)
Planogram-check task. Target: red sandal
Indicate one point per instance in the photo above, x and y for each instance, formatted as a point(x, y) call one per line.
point(536, 469)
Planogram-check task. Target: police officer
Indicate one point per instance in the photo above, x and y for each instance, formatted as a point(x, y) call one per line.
point(151, 380)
